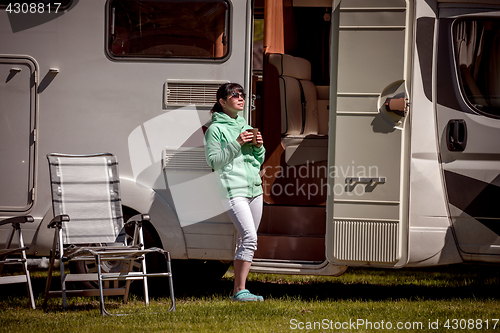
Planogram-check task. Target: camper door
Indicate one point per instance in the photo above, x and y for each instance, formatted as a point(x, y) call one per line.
point(468, 113)
point(17, 132)
point(367, 219)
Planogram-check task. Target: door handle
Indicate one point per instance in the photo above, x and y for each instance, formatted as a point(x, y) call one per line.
point(398, 106)
point(456, 135)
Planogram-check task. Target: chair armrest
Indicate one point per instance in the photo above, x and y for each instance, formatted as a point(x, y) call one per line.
point(139, 218)
point(58, 220)
point(18, 219)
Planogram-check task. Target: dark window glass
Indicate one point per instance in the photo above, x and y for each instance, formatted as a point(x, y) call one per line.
point(168, 29)
point(258, 44)
point(477, 48)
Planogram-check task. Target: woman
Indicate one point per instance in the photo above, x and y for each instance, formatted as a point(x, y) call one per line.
point(237, 162)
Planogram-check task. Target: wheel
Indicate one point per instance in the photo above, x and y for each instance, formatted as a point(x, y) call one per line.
point(185, 272)
point(115, 266)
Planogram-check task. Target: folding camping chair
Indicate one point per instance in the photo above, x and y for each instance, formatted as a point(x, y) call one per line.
point(89, 226)
point(19, 253)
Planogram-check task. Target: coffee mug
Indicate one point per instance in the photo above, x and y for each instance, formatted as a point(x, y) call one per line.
point(254, 131)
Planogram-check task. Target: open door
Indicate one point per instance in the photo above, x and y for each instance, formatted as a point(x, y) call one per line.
point(367, 205)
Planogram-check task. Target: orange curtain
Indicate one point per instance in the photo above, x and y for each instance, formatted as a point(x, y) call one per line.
point(274, 37)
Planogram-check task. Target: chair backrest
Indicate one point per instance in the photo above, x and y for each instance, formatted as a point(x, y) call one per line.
point(295, 89)
point(86, 187)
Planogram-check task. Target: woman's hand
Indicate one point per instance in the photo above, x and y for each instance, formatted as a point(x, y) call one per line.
point(244, 137)
point(260, 141)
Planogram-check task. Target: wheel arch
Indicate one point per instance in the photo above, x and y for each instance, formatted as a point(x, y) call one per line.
point(163, 218)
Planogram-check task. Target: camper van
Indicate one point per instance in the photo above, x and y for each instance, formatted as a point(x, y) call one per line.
point(380, 118)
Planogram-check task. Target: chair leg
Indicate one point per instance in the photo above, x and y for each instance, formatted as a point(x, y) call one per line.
point(26, 271)
point(170, 282)
point(49, 280)
point(128, 282)
point(51, 269)
point(63, 274)
point(28, 284)
point(145, 281)
point(7, 245)
point(99, 281)
point(63, 286)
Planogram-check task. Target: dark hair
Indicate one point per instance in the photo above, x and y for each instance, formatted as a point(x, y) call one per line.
point(223, 92)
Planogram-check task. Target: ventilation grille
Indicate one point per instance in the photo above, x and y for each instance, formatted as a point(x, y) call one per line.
point(185, 93)
point(188, 159)
point(366, 241)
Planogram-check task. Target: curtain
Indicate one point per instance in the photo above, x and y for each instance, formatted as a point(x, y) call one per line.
point(274, 36)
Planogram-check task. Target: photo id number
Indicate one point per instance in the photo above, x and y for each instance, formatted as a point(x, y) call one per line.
point(32, 8)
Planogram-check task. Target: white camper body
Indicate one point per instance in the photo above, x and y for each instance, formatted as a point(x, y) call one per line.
point(380, 142)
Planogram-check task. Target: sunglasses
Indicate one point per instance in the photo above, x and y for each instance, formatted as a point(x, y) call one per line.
point(237, 95)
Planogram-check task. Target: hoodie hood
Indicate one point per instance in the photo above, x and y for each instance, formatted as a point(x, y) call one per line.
point(222, 118)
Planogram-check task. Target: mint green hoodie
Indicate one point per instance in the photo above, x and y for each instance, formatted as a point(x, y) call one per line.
point(236, 166)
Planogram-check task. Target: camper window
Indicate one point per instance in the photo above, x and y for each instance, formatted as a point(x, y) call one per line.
point(477, 49)
point(168, 29)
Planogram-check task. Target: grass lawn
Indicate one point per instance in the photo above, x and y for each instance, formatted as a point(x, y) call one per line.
point(446, 299)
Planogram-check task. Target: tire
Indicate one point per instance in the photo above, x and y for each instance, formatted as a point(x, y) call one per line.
point(185, 272)
point(84, 267)
point(155, 262)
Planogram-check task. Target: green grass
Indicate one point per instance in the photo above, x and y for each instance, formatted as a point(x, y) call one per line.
point(416, 298)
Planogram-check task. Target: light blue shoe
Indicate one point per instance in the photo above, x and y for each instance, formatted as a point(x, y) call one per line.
point(246, 296)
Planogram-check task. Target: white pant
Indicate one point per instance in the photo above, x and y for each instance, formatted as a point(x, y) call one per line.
point(245, 213)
